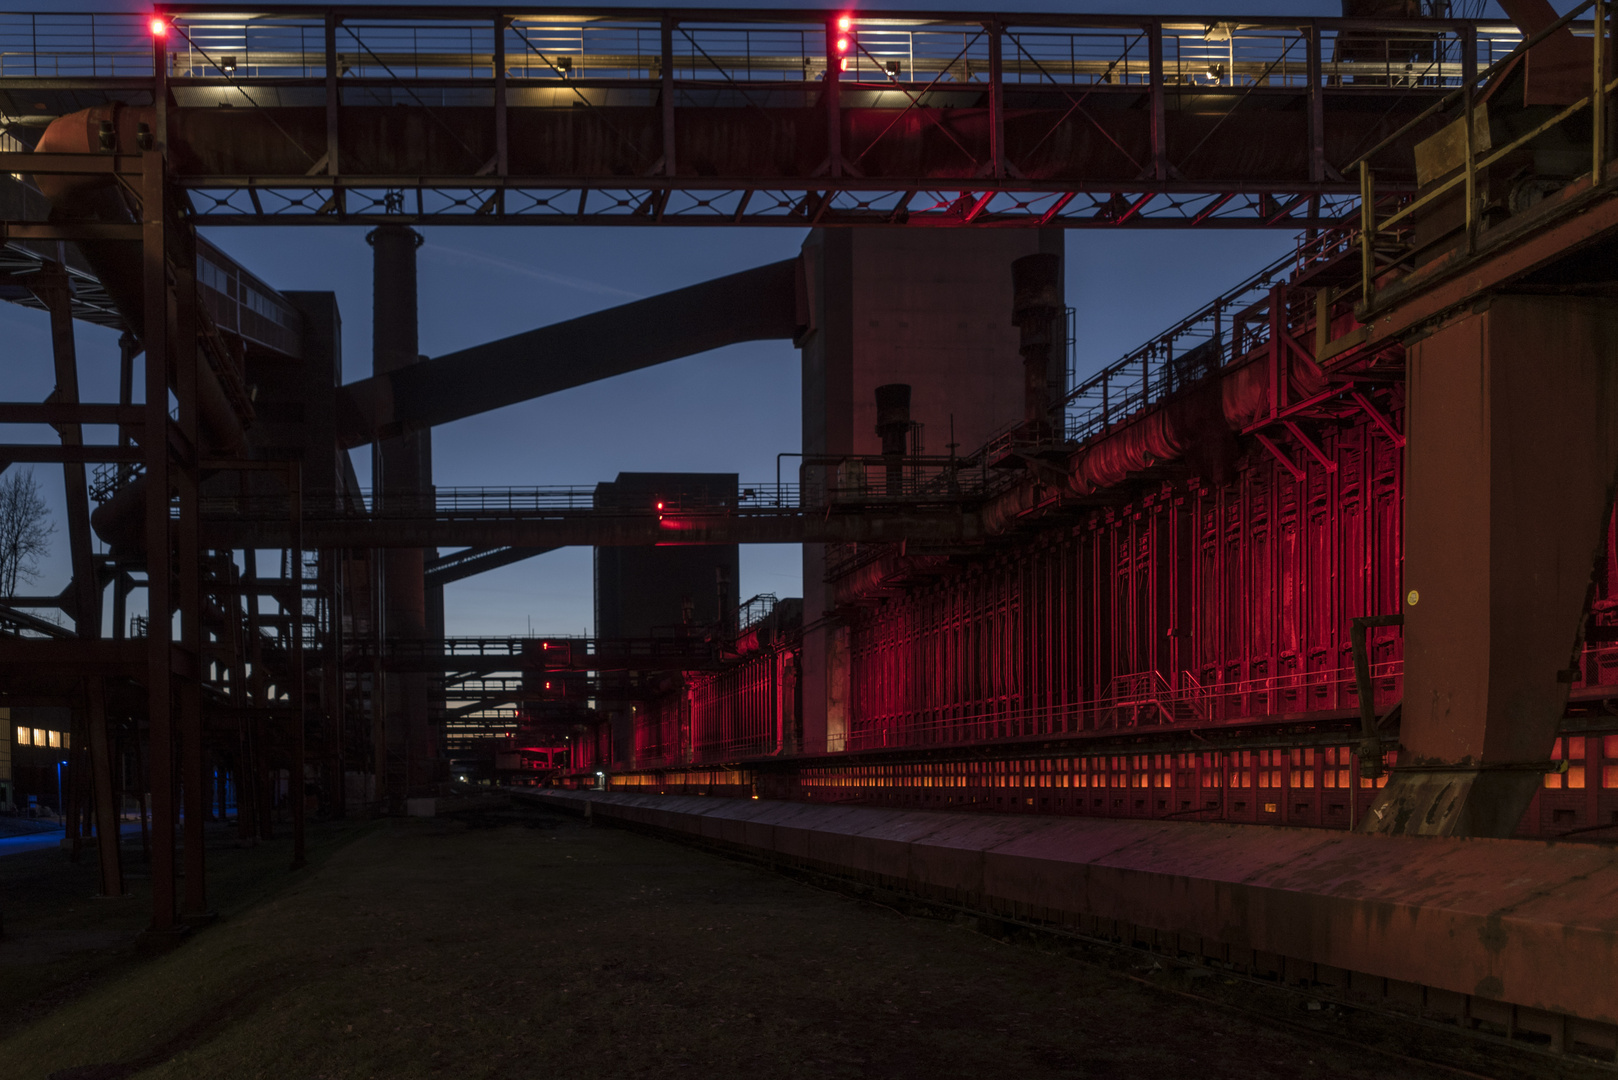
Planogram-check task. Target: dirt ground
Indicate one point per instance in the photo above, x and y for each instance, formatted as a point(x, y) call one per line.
point(524, 944)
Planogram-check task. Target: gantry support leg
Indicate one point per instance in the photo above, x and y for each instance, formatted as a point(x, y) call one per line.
point(1512, 452)
point(195, 784)
point(54, 291)
point(159, 551)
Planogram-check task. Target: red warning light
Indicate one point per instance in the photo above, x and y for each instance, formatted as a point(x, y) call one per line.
point(842, 44)
point(660, 507)
point(844, 23)
point(158, 26)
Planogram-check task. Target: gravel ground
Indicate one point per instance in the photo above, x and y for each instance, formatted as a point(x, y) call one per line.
point(523, 943)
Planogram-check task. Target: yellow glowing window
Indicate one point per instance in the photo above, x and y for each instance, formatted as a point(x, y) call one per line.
point(25, 736)
point(39, 737)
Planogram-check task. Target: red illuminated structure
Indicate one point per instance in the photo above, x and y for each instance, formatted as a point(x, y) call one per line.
point(1169, 646)
point(1151, 613)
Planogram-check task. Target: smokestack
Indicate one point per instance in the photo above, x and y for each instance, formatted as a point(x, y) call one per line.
point(893, 428)
point(401, 476)
point(1036, 306)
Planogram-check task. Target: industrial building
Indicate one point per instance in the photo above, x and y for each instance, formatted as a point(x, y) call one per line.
point(1287, 642)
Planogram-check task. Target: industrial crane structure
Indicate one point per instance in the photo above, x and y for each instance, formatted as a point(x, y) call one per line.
point(1333, 553)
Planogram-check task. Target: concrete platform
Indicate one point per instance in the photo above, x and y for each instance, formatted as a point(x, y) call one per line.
point(454, 804)
point(1511, 935)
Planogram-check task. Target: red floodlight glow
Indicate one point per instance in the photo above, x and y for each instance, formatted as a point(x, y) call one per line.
point(842, 44)
point(158, 26)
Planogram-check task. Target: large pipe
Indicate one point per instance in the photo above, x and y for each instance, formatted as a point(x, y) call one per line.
point(117, 264)
point(754, 305)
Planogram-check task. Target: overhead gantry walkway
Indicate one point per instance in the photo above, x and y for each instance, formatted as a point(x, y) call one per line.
point(334, 115)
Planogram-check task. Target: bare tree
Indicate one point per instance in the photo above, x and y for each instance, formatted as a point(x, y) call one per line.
point(25, 529)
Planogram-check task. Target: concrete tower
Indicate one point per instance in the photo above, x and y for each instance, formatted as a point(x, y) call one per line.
point(928, 307)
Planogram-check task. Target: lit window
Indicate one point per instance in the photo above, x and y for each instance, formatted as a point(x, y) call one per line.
point(25, 736)
point(55, 737)
point(39, 736)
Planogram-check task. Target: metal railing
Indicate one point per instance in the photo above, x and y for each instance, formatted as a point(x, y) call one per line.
point(1123, 707)
point(1069, 50)
point(1222, 330)
point(754, 610)
point(833, 483)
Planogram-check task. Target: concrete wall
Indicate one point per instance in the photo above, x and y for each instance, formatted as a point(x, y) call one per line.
point(928, 307)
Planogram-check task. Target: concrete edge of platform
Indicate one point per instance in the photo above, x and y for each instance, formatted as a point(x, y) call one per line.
point(1423, 925)
point(437, 806)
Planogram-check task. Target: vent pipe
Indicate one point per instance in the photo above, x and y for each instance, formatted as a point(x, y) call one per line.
point(893, 428)
point(1036, 307)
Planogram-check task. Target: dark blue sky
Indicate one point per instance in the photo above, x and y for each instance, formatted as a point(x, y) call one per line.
point(730, 410)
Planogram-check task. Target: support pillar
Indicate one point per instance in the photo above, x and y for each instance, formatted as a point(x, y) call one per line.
point(55, 292)
point(1512, 452)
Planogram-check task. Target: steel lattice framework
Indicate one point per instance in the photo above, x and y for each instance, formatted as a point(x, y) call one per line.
point(330, 115)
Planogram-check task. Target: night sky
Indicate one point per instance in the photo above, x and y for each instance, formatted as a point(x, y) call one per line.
point(732, 410)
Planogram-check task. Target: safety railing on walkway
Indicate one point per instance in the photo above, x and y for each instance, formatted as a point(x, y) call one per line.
point(1100, 52)
point(1175, 359)
point(1130, 704)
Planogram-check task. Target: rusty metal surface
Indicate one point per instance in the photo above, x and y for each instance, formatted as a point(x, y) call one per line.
point(1527, 923)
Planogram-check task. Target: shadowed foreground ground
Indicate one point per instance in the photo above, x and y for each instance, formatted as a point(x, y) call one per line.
point(526, 944)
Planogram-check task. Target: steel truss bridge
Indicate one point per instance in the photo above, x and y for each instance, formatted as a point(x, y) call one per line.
point(334, 115)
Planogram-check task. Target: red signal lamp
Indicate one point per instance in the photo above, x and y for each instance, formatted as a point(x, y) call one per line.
point(844, 23)
point(842, 44)
point(159, 27)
